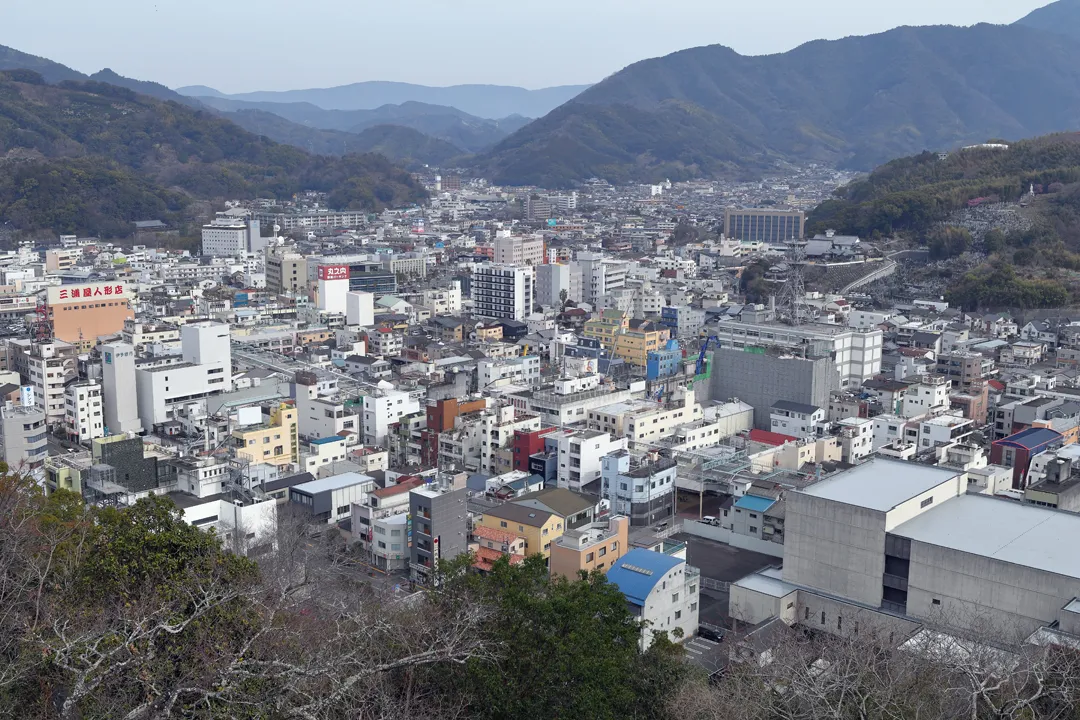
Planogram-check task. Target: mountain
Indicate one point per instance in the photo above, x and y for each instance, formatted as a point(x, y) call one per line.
point(53, 72)
point(400, 144)
point(467, 132)
point(1033, 248)
point(144, 87)
point(1061, 17)
point(486, 101)
point(855, 102)
point(88, 157)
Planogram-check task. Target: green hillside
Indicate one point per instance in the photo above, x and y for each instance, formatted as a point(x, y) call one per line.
point(133, 155)
point(854, 102)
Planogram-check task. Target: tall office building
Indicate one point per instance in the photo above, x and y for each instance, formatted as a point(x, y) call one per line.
point(502, 292)
point(600, 276)
point(764, 224)
point(118, 389)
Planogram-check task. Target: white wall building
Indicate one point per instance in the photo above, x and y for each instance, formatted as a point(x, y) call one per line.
point(121, 405)
point(231, 237)
point(581, 454)
point(796, 419)
point(662, 590)
point(523, 370)
point(206, 370)
point(383, 408)
point(600, 276)
point(360, 309)
point(503, 291)
point(85, 419)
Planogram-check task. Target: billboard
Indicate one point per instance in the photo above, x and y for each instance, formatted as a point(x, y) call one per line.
point(333, 272)
point(88, 291)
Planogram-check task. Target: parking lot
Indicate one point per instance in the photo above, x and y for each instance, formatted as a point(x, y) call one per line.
point(724, 563)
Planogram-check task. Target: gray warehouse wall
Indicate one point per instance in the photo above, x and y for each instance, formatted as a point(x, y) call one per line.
point(761, 380)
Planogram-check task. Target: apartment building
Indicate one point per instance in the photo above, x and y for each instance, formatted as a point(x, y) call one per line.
point(329, 500)
point(85, 417)
point(491, 373)
point(440, 529)
point(503, 292)
point(276, 441)
point(585, 549)
point(47, 367)
point(580, 455)
point(639, 487)
point(643, 422)
point(600, 276)
point(205, 369)
point(383, 408)
point(519, 250)
point(24, 436)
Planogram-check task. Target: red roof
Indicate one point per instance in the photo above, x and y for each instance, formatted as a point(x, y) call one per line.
point(401, 487)
point(486, 557)
point(771, 438)
point(496, 535)
point(997, 385)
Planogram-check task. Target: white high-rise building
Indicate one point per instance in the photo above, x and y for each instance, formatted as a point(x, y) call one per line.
point(231, 237)
point(518, 250)
point(360, 308)
point(503, 292)
point(206, 370)
point(85, 419)
point(600, 276)
point(551, 280)
point(118, 389)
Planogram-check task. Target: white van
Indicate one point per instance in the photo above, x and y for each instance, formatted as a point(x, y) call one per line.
point(710, 520)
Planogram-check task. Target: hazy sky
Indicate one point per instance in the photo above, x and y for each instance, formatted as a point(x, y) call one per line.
point(240, 45)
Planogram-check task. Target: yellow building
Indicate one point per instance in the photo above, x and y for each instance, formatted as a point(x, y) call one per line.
point(275, 443)
point(631, 340)
point(539, 527)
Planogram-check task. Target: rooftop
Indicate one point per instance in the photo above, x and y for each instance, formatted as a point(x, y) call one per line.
point(1023, 535)
point(637, 572)
point(880, 483)
point(334, 482)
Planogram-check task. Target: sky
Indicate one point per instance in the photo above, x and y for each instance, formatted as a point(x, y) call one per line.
point(245, 45)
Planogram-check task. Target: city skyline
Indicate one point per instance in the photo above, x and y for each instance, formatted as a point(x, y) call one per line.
point(241, 51)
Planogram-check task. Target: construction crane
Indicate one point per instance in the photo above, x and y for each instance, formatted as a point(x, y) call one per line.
point(700, 367)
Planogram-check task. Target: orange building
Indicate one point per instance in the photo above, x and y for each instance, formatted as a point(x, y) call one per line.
point(80, 314)
point(590, 548)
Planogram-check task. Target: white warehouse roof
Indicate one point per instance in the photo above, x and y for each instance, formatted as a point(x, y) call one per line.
point(880, 483)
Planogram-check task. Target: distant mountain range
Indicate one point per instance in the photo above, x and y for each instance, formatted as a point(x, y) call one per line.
point(1062, 17)
point(854, 102)
point(485, 101)
point(469, 133)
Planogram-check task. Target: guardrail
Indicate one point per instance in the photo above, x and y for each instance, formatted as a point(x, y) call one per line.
point(715, 584)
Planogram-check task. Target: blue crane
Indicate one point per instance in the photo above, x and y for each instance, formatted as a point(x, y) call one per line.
point(700, 368)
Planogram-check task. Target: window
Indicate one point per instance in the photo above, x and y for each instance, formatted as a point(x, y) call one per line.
point(839, 623)
point(753, 529)
point(674, 597)
point(502, 523)
point(935, 601)
point(678, 614)
point(343, 509)
point(589, 558)
point(822, 617)
point(926, 502)
point(693, 607)
point(806, 613)
point(382, 545)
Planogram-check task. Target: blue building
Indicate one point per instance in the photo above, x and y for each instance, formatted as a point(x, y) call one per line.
point(661, 590)
point(664, 363)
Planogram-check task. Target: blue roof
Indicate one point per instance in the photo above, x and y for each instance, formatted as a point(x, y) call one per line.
point(1032, 438)
point(323, 441)
point(637, 572)
point(753, 503)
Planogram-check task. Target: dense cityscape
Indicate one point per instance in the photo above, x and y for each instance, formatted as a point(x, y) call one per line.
point(658, 402)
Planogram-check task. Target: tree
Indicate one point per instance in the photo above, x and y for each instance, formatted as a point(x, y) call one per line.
point(564, 296)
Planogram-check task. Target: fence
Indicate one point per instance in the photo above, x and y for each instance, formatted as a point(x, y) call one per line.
point(710, 584)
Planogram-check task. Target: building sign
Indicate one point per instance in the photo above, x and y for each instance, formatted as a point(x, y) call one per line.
point(90, 291)
point(333, 272)
point(108, 358)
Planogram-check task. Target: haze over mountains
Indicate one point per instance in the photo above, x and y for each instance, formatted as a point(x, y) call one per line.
point(705, 111)
point(485, 101)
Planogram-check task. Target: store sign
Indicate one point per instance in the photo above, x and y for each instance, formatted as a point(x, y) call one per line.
point(333, 272)
point(91, 291)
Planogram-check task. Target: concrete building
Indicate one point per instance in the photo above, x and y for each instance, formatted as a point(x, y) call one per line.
point(964, 368)
point(503, 292)
point(764, 224)
point(684, 321)
point(519, 250)
point(383, 408)
point(762, 380)
point(929, 395)
point(329, 500)
point(24, 436)
point(600, 276)
point(662, 591)
point(85, 418)
point(552, 279)
point(440, 529)
point(507, 371)
point(642, 488)
point(274, 441)
point(643, 422)
point(795, 419)
point(121, 405)
point(80, 314)
point(232, 237)
point(857, 353)
point(890, 544)
point(581, 454)
point(360, 308)
point(286, 270)
point(47, 367)
point(589, 548)
point(205, 370)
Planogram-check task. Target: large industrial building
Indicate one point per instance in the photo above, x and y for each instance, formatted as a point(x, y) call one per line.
point(891, 545)
point(764, 224)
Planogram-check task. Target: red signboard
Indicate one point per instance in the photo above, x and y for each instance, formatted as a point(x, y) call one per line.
point(333, 272)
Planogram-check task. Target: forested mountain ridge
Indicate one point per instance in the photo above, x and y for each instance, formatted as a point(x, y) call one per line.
point(89, 157)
